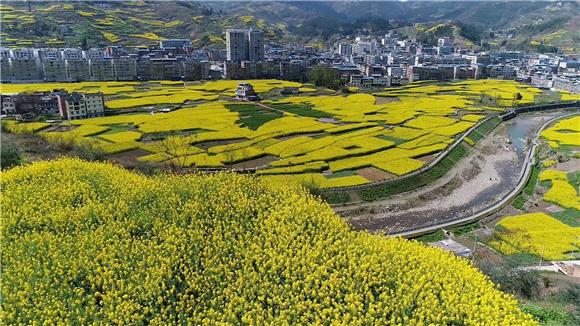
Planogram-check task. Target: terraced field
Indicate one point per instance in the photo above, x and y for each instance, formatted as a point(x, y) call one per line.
point(548, 226)
point(84, 23)
point(325, 141)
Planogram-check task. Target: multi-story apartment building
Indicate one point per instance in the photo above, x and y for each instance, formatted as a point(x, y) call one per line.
point(345, 49)
point(174, 43)
point(47, 54)
point(69, 106)
point(479, 59)
point(94, 53)
point(80, 106)
point(5, 73)
point(255, 45)
point(569, 83)
point(542, 81)
point(102, 69)
point(244, 45)
point(193, 70)
point(4, 53)
point(464, 72)
point(21, 53)
point(54, 70)
point(501, 72)
point(29, 106)
point(25, 69)
point(71, 54)
point(237, 45)
point(125, 68)
point(77, 70)
point(415, 73)
point(160, 68)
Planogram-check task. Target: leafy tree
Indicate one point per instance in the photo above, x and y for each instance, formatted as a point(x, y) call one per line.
point(524, 283)
point(325, 76)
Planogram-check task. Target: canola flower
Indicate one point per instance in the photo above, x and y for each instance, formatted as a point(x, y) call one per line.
point(90, 243)
point(564, 132)
point(549, 163)
point(561, 192)
point(23, 128)
point(423, 119)
point(536, 233)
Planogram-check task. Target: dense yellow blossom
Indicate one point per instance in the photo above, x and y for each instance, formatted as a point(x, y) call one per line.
point(472, 117)
point(564, 132)
point(357, 129)
point(537, 233)
point(23, 128)
point(89, 243)
point(549, 163)
point(561, 191)
point(121, 137)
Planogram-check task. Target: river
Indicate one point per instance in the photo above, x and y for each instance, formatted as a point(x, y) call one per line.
point(484, 177)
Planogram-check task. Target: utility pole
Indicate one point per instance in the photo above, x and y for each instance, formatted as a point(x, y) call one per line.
point(541, 256)
point(573, 253)
point(474, 244)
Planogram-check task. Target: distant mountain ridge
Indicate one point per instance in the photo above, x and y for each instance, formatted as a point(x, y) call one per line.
point(95, 23)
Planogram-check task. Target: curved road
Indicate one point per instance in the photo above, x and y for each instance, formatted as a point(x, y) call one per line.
point(489, 173)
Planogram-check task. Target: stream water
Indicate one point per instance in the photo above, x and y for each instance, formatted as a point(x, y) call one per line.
point(520, 131)
point(392, 215)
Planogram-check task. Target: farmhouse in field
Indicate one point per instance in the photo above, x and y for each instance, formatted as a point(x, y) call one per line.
point(245, 91)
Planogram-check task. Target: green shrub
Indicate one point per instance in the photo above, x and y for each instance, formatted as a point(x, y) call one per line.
point(10, 156)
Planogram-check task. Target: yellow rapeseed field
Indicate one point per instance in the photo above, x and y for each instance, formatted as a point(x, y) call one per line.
point(23, 128)
point(561, 191)
point(564, 132)
point(90, 243)
point(539, 234)
point(420, 119)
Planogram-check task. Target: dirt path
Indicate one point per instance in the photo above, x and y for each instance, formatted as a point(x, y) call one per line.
point(487, 174)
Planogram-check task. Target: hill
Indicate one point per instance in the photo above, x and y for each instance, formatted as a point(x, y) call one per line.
point(462, 34)
point(98, 23)
point(90, 242)
point(131, 23)
point(555, 26)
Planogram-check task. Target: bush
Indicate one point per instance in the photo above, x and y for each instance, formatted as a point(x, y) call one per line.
point(10, 156)
point(571, 295)
point(88, 151)
point(548, 315)
point(336, 197)
point(325, 76)
point(511, 279)
point(145, 168)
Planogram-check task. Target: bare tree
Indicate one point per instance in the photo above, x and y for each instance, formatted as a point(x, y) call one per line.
point(229, 158)
point(174, 150)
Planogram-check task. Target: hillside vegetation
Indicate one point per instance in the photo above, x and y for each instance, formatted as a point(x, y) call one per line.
point(90, 24)
point(93, 243)
point(556, 26)
point(534, 25)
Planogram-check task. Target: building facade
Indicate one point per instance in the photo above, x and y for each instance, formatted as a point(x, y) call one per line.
point(73, 106)
point(244, 45)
